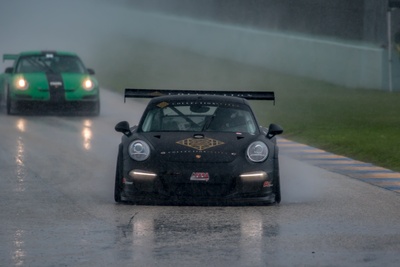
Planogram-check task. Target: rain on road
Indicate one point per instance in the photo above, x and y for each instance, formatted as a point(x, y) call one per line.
point(57, 208)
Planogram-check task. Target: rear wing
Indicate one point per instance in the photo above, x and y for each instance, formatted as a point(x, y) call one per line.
point(151, 93)
point(10, 57)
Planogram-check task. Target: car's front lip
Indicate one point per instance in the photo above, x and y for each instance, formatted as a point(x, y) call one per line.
point(247, 177)
point(253, 183)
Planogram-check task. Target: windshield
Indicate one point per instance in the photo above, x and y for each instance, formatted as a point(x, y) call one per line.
point(50, 63)
point(189, 117)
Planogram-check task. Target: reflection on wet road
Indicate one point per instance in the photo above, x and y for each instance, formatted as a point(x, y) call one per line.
point(19, 253)
point(57, 208)
point(193, 232)
point(19, 160)
point(87, 134)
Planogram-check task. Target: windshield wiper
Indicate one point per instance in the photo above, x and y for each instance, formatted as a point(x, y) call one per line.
point(41, 65)
point(208, 123)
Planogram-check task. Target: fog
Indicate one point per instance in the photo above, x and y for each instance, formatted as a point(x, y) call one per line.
point(72, 25)
point(103, 32)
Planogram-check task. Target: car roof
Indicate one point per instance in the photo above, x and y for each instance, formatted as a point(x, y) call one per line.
point(218, 98)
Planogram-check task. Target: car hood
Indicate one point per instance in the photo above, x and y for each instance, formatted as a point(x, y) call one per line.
point(196, 147)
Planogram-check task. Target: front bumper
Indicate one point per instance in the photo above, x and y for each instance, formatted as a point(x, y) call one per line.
point(27, 98)
point(189, 185)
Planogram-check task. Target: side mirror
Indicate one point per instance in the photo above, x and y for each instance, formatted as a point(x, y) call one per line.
point(9, 70)
point(91, 71)
point(273, 130)
point(123, 127)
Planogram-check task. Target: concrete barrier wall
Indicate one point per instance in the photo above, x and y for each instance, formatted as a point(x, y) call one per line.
point(351, 65)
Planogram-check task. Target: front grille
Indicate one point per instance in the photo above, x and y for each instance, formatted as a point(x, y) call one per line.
point(198, 189)
point(23, 97)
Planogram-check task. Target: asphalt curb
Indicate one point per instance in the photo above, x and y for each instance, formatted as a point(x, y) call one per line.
point(362, 171)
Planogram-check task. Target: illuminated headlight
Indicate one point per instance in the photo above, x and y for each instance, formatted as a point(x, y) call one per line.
point(21, 84)
point(88, 84)
point(257, 151)
point(254, 176)
point(139, 150)
point(142, 175)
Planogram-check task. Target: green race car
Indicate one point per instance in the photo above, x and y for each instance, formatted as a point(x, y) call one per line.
point(49, 80)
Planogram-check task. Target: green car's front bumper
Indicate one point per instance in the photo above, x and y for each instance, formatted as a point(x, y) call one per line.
point(57, 90)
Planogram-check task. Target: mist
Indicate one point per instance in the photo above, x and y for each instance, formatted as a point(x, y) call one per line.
point(73, 25)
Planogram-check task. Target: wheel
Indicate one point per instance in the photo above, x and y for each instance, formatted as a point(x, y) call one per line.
point(277, 184)
point(277, 190)
point(9, 103)
point(118, 177)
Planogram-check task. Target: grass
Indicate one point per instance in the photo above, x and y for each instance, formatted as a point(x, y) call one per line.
point(357, 123)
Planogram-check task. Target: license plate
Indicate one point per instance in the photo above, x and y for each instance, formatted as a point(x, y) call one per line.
point(200, 176)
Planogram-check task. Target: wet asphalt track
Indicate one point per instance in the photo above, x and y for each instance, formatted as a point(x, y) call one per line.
point(57, 208)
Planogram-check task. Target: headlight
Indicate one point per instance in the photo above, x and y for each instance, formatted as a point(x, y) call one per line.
point(88, 84)
point(139, 150)
point(257, 151)
point(21, 84)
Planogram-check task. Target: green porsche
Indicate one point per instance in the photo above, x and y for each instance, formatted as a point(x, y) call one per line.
point(49, 80)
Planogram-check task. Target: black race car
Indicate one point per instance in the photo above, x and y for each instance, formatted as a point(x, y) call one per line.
point(200, 146)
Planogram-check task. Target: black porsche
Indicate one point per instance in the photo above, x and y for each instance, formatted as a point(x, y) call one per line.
point(201, 146)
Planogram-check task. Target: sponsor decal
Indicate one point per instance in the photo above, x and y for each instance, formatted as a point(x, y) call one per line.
point(200, 144)
point(199, 176)
point(124, 181)
point(267, 184)
point(162, 104)
point(156, 93)
point(55, 83)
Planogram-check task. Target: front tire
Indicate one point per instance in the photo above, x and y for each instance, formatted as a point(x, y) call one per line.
point(277, 182)
point(118, 177)
point(9, 103)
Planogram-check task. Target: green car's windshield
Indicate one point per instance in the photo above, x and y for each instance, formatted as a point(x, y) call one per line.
point(188, 117)
point(53, 63)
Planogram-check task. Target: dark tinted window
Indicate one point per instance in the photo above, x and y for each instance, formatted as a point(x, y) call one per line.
point(197, 116)
point(50, 63)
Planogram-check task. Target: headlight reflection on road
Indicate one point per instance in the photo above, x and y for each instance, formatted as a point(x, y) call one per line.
point(19, 160)
point(21, 125)
point(256, 232)
point(87, 134)
point(19, 157)
point(252, 238)
point(143, 237)
point(19, 252)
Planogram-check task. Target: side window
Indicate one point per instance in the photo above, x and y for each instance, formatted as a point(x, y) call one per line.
point(24, 66)
point(250, 124)
point(152, 121)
